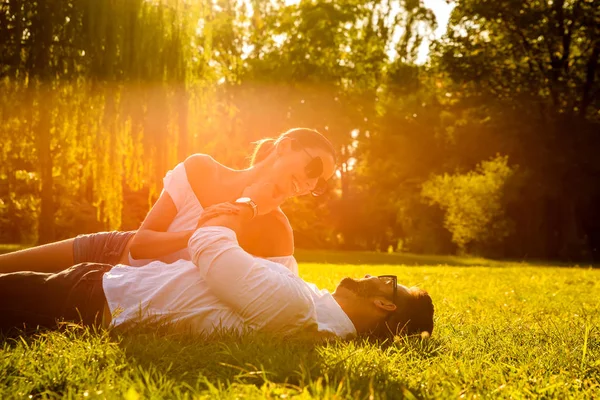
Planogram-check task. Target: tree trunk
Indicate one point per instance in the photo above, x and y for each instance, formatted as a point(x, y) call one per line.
point(183, 147)
point(43, 143)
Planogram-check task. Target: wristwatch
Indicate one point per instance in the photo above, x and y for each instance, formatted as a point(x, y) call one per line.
point(248, 201)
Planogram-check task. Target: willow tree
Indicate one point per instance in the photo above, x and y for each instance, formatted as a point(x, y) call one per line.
point(32, 66)
point(105, 88)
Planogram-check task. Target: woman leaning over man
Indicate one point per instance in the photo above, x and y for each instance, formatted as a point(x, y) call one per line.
point(298, 162)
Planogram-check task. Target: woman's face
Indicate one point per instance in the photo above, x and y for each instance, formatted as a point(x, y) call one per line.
point(296, 170)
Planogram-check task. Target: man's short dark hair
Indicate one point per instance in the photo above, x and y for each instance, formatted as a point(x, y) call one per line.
point(413, 316)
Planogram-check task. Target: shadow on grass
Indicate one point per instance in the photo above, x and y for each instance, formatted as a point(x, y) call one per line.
point(157, 360)
point(349, 369)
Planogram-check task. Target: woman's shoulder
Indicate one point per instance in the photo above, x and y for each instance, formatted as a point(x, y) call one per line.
point(202, 168)
point(201, 163)
point(208, 179)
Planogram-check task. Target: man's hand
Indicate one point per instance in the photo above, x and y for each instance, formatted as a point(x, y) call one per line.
point(263, 194)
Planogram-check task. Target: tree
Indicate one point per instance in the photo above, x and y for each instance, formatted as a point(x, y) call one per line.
point(527, 74)
point(474, 202)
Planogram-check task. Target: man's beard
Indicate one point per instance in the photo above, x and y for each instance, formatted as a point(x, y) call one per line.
point(361, 288)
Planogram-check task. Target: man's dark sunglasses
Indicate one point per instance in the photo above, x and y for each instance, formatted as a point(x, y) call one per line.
point(314, 169)
point(391, 280)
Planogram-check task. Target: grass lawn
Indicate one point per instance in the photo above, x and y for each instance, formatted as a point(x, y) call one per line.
point(501, 331)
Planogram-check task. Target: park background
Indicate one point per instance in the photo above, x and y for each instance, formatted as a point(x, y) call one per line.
point(462, 128)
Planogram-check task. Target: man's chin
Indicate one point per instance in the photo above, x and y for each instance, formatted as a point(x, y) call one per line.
point(349, 284)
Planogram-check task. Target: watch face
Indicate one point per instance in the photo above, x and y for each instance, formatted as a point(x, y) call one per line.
point(248, 201)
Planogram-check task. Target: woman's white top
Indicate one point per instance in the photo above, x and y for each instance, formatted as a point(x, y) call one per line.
point(189, 209)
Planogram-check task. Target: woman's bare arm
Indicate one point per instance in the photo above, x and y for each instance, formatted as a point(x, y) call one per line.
point(152, 239)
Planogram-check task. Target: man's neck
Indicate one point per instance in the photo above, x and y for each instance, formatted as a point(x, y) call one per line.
point(346, 305)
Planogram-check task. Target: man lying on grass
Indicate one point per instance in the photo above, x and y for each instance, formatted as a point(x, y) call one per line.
point(223, 287)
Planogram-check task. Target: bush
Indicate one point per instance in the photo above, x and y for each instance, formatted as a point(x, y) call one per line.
point(474, 202)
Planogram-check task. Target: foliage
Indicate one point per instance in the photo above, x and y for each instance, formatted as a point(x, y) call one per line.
point(473, 202)
point(520, 331)
point(99, 99)
point(526, 75)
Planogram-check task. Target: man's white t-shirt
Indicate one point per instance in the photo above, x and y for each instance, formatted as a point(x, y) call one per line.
point(223, 287)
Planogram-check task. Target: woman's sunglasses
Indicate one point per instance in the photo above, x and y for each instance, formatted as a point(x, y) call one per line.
point(314, 169)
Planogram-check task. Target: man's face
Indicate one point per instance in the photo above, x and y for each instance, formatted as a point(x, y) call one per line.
point(370, 301)
point(371, 286)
